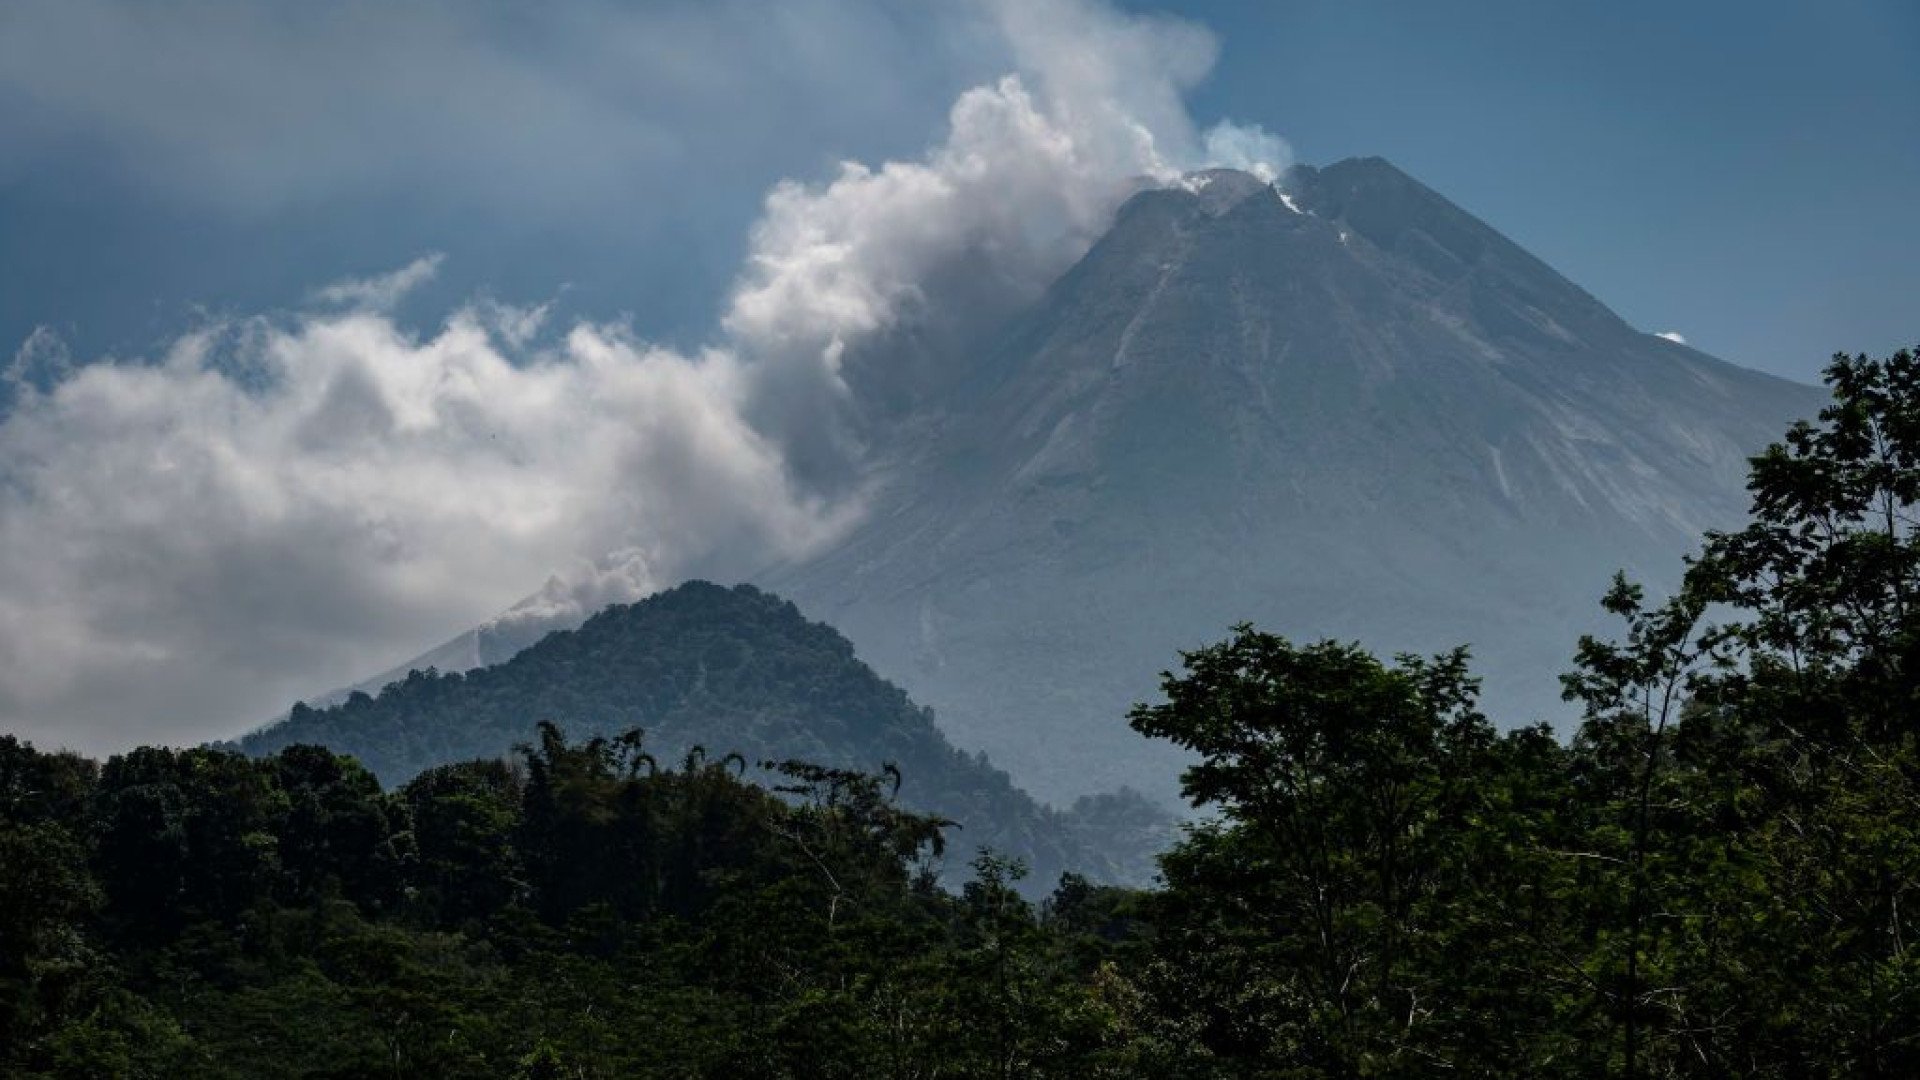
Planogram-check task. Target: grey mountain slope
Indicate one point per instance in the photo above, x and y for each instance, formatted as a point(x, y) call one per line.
point(1352, 411)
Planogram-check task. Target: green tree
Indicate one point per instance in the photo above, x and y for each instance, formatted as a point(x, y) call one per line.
point(340, 834)
point(1295, 919)
point(185, 835)
point(465, 819)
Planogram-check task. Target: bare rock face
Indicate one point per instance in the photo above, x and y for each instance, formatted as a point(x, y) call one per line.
point(1336, 407)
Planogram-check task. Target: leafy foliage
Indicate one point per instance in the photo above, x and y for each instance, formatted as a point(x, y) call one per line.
point(575, 912)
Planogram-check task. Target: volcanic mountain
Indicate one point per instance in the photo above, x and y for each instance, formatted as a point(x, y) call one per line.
point(1337, 407)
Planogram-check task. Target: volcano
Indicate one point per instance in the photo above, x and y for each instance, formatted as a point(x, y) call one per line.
point(1337, 406)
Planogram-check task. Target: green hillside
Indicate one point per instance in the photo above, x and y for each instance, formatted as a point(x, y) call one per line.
point(727, 671)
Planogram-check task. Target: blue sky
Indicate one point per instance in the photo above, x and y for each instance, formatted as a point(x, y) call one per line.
point(1744, 173)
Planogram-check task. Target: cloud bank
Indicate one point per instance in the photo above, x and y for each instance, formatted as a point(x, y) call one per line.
point(283, 504)
point(267, 505)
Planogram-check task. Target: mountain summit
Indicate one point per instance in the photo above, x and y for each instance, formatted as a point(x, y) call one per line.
point(1339, 406)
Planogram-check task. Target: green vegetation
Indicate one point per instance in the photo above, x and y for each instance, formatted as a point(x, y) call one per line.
point(703, 668)
point(576, 912)
point(1714, 877)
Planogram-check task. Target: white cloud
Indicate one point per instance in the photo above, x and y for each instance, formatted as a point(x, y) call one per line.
point(176, 541)
point(1249, 148)
point(40, 361)
point(1673, 336)
point(1029, 173)
point(381, 291)
point(277, 507)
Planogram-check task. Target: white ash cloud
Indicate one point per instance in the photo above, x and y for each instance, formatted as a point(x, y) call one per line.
point(1028, 174)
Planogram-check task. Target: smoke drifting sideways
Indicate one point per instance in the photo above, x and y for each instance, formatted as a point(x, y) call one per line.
point(282, 504)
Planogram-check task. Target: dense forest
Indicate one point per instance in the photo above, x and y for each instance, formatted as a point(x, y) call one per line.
point(1715, 875)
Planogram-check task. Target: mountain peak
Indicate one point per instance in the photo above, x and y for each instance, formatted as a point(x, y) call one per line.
point(1371, 165)
point(1220, 190)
